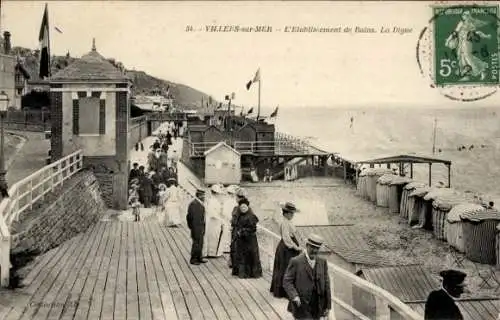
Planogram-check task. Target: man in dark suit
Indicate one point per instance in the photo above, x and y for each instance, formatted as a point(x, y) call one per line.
point(307, 283)
point(196, 223)
point(440, 303)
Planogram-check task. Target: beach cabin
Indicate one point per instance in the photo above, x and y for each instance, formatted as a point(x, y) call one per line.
point(213, 134)
point(247, 133)
point(222, 165)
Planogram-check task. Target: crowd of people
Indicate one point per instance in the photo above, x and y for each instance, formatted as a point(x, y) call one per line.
point(157, 186)
point(225, 219)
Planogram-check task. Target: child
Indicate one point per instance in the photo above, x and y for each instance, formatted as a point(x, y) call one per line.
point(134, 202)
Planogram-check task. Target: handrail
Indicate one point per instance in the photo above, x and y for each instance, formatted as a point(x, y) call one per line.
point(387, 305)
point(31, 189)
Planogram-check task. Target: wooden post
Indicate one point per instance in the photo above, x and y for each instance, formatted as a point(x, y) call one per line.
point(345, 170)
point(449, 175)
point(411, 170)
point(430, 174)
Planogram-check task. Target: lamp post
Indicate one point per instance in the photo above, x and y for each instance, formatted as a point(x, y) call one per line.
point(4, 104)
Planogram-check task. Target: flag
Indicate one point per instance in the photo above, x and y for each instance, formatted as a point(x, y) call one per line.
point(43, 37)
point(250, 111)
point(233, 95)
point(220, 105)
point(58, 30)
point(275, 113)
point(256, 78)
point(227, 97)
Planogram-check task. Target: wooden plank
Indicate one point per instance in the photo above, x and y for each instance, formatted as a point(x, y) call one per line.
point(48, 279)
point(243, 302)
point(178, 299)
point(108, 304)
point(64, 298)
point(153, 281)
point(23, 303)
point(86, 297)
point(142, 285)
point(211, 294)
point(132, 296)
point(82, 275)
point(257, 288)
point(120, 311)
point(190, 294)
point(40, 264)
point(98, 293)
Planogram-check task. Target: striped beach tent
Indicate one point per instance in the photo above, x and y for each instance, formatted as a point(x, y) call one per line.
point(396, 187)
point(454, 225)
point(407, 202)
point(479, 236)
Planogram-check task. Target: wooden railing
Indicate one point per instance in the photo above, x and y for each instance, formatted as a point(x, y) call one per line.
point(385, 305)
point(283, 144)
point(23, 194)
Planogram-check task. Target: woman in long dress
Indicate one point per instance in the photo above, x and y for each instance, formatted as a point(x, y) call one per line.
point(288, 247)
point(462, 39)
point(214, 226)
point(172, 204)
point(247, 258)
point(162, 214)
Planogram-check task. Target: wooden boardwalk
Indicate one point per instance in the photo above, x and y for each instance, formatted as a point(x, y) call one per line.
point(127, 270)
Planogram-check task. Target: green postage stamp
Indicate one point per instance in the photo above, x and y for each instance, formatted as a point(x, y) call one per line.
point(466, 43)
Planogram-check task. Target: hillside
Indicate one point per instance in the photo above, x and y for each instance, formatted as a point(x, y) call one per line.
point(184, 95)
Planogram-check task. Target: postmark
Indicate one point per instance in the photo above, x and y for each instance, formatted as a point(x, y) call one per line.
point(458, 51)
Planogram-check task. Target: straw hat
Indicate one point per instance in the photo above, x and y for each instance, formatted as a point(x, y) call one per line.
point(241, 193)
point(217, 188)
point(232, 189)
point(289, 207)
point(315, 240)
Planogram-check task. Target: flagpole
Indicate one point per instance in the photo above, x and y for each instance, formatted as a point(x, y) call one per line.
point(258, 106)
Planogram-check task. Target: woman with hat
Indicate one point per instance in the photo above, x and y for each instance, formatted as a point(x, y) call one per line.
point(240, 195)
point(288, 247)
point(172, 204)
point(246, 258)
point(215, 229)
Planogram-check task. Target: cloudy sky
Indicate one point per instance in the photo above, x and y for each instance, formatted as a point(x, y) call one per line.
point(298, 69)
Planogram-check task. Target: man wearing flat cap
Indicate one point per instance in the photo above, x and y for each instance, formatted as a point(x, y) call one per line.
point(440, 304)
point(196, 223)
point(307, 283)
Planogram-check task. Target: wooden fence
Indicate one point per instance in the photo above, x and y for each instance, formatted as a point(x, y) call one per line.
point(23, 194)
point(32, 120)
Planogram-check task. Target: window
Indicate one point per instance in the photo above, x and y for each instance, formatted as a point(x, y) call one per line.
point(89, 116)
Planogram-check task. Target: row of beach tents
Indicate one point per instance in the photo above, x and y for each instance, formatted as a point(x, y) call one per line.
point(459, 218)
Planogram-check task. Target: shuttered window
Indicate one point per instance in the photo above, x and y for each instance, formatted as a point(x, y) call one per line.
point(76, 117)
point(102, 116)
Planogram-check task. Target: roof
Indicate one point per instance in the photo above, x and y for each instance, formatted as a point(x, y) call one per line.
point(219, 145)
point(406, 158)
point(91, 66)
point(347, 242)
point(408, 283)
point(474, 309)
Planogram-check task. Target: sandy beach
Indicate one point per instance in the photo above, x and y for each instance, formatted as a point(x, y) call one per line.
point(386, 234)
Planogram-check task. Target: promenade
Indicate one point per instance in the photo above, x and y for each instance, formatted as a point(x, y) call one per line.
point(29, 158)
point(119, 269)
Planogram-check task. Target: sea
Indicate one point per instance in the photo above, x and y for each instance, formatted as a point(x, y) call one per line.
point(469, 137)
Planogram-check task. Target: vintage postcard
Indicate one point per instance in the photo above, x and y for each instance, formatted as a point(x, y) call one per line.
point(249, 160)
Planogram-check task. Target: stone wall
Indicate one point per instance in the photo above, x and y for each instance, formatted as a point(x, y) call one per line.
point(66, 212)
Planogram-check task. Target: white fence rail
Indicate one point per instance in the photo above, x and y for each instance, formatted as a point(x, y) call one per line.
point(382, 305)
point(23, 194)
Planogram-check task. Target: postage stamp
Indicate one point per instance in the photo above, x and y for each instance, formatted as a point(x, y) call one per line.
point(458, 50)
point(466, 45)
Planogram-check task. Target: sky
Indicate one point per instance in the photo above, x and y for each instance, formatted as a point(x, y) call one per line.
point(297, 69)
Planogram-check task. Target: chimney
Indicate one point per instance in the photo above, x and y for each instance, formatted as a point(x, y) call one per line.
point(6, 42)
